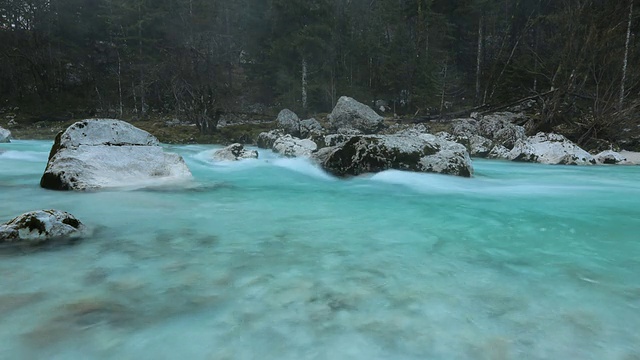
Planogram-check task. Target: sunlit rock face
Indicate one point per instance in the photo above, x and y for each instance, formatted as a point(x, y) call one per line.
point(37, 227)
point(551, 149)
point(103, 153)
point(375, 153)
point(349, 114)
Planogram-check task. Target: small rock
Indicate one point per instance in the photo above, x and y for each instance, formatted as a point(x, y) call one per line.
point(234, 152)
point(610, 157)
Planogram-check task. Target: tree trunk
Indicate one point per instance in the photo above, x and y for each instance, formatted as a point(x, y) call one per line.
point(479, 59)
point(304, 84)
point(626, 56)
point(444, 85)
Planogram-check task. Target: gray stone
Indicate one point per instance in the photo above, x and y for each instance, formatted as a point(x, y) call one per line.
point(375, 153)
point(99, 153)
point(40, 226)
point(499, 152)
point(234, 152)
point(551, 148)
point(289, 122)
point(610, 157)
point(350, 114)
point(267, 139)
point(290, 146)
point(310, 127)
point(5, 135)
point(499, 127)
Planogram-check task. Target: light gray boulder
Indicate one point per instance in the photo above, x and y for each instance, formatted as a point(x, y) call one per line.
point(466, 134)
point(499, 152)
point(290, 146)
point(310, 127)
point(549, 148)
point(375, 153)
point(350, 114)
point(610, 157)
point(37, 227)
point(5, 135)
point(234, 152)
point(500, 128)
point(267, 139)
point(289, 122)
point(100, 153)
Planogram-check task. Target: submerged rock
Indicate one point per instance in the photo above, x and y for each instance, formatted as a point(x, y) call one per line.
point(290, 146)
point(350, 114)
point(234, 152)
point(93, 154)
point(288, 122)
point(5, 135)
point(548, 148)
point(40, 226)
point(375, 153)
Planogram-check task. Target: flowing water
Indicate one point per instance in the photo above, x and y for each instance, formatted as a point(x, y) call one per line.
point(274, 259)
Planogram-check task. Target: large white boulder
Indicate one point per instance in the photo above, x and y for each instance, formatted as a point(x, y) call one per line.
point(40, 226)
point(549, 148)
point(234, 152)
point(350, 114)
point(99, 153)
point(375, 153)
point(288, 122)
point(5, 135)
point(290, 146)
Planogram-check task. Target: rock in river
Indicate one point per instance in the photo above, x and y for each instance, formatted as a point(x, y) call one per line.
point(549, 148)
point(234, 152)
point(375, 153)
point(40, 226)
point(93, 154)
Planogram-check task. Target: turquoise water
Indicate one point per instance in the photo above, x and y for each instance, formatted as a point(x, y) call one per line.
point(274, 259)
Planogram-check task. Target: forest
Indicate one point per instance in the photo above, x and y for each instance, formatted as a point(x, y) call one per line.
point(577, 60)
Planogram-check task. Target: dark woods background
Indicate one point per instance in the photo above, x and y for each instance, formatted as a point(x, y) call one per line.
point(577, 59)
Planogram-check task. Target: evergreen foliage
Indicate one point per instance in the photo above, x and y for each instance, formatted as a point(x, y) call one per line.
point(196, 58)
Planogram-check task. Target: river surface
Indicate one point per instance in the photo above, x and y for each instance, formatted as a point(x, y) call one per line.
point(275, 259)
